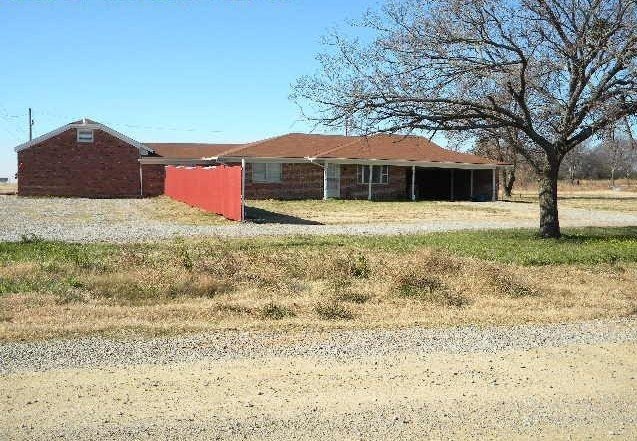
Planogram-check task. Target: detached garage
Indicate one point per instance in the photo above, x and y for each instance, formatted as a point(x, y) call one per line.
point(86, 159)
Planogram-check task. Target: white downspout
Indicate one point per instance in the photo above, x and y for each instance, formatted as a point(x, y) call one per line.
point(325, 181)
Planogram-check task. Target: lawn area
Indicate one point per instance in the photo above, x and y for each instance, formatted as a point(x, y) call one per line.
point(339, 212)
point(52, 289)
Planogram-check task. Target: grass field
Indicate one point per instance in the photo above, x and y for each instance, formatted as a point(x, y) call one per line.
point(8, 188)
point(50, 289)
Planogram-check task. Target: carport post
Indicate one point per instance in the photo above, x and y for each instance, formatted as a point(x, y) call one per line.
point(471, 185)
point(243, 189)
point(325, 181)
point(495, 190)
point(413, 182)
point(369, 185)
point(141, 181)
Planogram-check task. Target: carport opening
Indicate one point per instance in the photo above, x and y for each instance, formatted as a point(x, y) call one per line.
point(450, 184)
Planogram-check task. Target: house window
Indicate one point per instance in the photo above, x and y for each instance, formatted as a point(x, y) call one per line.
point(266, 172)
point(84, 135)
point(380, 174)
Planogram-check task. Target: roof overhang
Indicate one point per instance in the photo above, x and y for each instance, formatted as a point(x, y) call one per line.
point(144, 150)
point(255, 160)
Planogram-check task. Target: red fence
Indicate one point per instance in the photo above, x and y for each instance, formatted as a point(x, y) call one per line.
point(216, 189)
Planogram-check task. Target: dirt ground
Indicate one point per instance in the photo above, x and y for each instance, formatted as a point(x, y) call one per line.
point(578, 390)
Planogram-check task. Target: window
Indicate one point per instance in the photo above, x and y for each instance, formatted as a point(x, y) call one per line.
point(380, 174)
point(84, 135)
point(266, 172)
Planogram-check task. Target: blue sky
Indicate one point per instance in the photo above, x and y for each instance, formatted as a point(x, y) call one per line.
point(208, 71)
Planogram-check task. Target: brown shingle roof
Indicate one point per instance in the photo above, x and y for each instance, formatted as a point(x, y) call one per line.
point(292, 145)
point(188, 150)
point(399, 147)
point(384, 147)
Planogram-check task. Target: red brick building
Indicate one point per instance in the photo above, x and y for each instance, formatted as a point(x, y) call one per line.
point(89, 159)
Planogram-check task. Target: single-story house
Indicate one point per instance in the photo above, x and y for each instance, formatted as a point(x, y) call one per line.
point(89, 159)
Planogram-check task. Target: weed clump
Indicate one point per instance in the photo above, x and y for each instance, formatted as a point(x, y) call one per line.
point(274, 311)
point(353, 265)
point(430, 289)
point(333, 311)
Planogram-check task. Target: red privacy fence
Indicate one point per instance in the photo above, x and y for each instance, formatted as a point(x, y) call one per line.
point(216, 189)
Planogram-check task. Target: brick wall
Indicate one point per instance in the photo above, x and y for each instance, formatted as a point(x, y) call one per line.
point(396, 188)
point(107, 167)
point(298, 181)
point(153, 179)
point(305, 181)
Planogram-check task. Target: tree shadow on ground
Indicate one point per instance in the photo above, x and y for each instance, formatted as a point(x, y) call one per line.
point(261, 216)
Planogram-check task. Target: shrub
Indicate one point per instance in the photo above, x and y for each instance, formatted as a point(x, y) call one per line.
point(509, 285)
point(333, 311)
point(274, 311)
point(429, 289)
point(30, 238)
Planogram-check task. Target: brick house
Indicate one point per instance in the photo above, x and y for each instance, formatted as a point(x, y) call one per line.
point(89, 159)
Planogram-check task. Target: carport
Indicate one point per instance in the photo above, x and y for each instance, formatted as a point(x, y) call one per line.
point(452, 184)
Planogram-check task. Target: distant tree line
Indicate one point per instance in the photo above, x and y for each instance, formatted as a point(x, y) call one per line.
point(615, 157)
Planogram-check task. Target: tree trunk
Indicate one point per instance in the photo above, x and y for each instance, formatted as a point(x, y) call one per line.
point(509, 179)
point(549, 220)
point(612, 177)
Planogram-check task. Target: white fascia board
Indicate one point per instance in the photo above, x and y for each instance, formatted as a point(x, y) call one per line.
point(176, 161)
point(396, 162)
point(250, 160)
point(141, 147)
point(407, 163)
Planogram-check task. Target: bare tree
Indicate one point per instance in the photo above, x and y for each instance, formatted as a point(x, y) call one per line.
point(574, 161)
point(503, 145)
point(557, 71)
point(618, 150)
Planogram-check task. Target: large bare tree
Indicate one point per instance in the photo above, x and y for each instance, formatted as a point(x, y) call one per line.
point(556, 71)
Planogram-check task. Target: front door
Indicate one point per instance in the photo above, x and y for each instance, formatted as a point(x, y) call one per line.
point(333, 181)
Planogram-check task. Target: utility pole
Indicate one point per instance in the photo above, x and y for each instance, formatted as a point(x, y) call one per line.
point(30, 125)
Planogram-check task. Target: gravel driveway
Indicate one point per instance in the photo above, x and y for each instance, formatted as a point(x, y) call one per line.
point(564, 381)
point(123, 220)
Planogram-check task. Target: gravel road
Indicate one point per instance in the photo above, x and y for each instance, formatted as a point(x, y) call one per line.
point(122, 220)
point(563, 381)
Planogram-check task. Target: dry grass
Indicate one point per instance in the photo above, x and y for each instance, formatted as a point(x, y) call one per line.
point(183, 287)
point(590, 195)
point(335, 212)
point(8, 188)
point(163, 208)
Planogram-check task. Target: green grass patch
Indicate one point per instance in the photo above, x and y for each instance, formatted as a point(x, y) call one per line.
point(522, 246)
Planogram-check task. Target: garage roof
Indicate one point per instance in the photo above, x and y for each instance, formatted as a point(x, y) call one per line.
point(189, 150)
